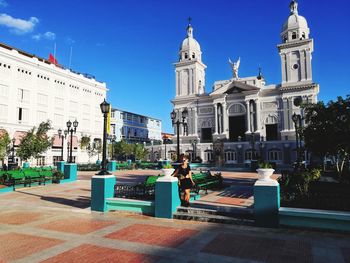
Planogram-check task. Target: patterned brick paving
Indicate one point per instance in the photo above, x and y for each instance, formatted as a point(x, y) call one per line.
point(76, 225)
point(15, 246)
point(153, 235)
point(261, 249)
point(230, 201)
point(94, 254)
point(19, 218)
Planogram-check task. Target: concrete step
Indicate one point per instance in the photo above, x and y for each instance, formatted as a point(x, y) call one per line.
point(213, 218)
point(223, 209)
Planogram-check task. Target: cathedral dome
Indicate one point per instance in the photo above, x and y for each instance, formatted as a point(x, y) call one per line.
point(190, 48)
point(296, 27)
point(295, 21)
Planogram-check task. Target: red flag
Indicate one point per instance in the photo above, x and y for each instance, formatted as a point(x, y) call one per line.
point(52, 59)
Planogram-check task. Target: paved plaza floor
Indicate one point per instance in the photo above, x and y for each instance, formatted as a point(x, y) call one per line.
point(54, 224)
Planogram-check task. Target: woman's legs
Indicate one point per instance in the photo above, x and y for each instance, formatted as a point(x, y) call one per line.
point(187, 196)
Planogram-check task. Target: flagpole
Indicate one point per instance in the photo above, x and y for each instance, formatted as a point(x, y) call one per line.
point(54, 51)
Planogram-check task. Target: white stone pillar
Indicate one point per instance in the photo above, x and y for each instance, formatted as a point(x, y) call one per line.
point(216, 118)
point(258, 124)
point(195, 122)
point(248, 116)
point(225, 117)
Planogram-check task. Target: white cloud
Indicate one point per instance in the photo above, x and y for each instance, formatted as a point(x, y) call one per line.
point(48, 36)
point(17, 25)
point(3, 3)
point(70, 41)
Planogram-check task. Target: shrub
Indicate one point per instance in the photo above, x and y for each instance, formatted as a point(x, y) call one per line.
point(265, 165)
point(167, 166)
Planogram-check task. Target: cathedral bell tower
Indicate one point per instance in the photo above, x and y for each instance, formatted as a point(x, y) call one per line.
point(190, 70)
point(296, 49)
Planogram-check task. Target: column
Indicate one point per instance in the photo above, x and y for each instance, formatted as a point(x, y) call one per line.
point(290, 113)
point(285, 114)
point(248, 116)
point(258, 121)
point(216, 118)
point(225, 117)
point(288, 66)
point(190, 86)
point(195, 120)
point(308, 65)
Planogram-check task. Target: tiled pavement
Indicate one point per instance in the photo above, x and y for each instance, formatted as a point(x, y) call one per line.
point(54, 224)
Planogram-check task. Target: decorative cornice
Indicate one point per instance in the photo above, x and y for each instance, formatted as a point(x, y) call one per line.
point(294, 43)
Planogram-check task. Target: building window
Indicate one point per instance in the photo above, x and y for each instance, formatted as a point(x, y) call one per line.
point(294, 35)
point(186, 55)
point(208, 155)
point(250, 155)
point(193, 55)
point(20, 113)
point(275, 155)
point(230, 156)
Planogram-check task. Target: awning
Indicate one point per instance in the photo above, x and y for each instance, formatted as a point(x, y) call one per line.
point(18, 135)
point(57, 141)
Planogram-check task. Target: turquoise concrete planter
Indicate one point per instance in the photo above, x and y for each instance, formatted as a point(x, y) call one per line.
point(26, 165)
point(98, 162)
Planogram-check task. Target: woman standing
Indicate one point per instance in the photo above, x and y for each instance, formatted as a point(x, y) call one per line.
point(184, 174)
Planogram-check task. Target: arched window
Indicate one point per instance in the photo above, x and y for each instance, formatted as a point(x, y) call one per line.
point(230, 156)
point(193, 55)
point(303, 35)
point(274, 155)
point(250, 155)
point(186, 55)
point(294, 35)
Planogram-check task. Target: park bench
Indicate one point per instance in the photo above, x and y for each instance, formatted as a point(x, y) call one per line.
point(147, 165)
point(32, 175)
point(15, 177)
point(121, 166)
point(143, 190)
point(206, 181)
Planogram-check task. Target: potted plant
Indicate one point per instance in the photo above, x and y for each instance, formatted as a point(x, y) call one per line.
point(57, 176)
point(265, 171)
point(168, 170)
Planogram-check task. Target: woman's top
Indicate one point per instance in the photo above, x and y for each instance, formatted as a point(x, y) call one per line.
point(182, 172)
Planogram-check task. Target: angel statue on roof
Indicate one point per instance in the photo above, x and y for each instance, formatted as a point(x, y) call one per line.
point(235, 66)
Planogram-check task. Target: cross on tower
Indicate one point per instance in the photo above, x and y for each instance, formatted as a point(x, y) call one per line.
point(189, 20)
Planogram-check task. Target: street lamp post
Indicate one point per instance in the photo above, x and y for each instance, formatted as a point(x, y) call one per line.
point(261, 146)
point(62, 136)
point(152, 157)
point(178, 123)
point(71, 130)
point(113, 139)
point(105, 109)
point(297, 124)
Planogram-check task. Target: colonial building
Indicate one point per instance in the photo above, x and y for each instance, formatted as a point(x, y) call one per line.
point(33, 90)
point(134, 127)
point(243, 118)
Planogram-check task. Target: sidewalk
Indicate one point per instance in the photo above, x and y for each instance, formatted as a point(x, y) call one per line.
point(54, 224)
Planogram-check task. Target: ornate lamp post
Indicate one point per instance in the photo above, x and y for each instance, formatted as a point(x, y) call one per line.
point(105, 109)
point(297, 124)
point(71, 130)
point(166, 140)
point(178, 123)
point(261, 146)
point(62, 136)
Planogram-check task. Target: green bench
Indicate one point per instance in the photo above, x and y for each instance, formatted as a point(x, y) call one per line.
point(143, 190)
point(121, 166)
point(27, 176)
point(206, 181)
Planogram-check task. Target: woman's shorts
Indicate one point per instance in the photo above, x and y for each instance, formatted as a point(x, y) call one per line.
point(185, 183)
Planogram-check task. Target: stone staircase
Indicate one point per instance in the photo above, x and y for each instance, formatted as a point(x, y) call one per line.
point(206, 212)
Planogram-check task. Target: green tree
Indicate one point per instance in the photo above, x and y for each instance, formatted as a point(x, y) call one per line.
point(140, 152)
point(84, 141)
point(4, 142)
point(35, 142)
point(328, 130)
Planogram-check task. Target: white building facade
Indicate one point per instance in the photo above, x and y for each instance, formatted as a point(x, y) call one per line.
point(33, 90)
point(247, 117)
point(134, 127)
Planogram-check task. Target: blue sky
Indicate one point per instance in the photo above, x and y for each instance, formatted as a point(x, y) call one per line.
point(132, 45)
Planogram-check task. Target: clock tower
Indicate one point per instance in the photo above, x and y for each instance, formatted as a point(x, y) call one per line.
point(190, 70)
point(296, 49)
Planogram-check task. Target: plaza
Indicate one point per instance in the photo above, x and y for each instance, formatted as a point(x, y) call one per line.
point(54, 224)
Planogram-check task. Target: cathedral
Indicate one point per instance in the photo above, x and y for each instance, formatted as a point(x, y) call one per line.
point(242, 118)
